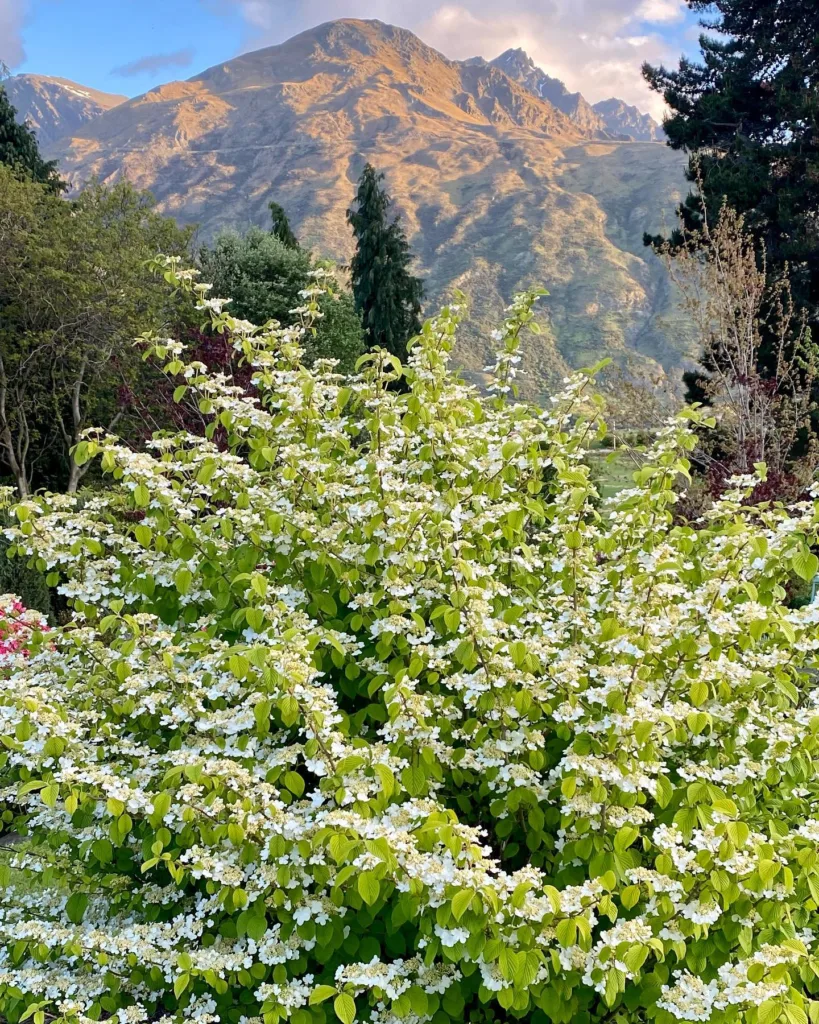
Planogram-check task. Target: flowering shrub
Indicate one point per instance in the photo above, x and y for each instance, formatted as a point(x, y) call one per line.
point(382, 714)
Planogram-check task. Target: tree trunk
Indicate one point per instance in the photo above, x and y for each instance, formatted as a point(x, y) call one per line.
point(75, 474)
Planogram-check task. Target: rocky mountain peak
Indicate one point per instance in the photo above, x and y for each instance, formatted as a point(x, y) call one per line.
point(519, 65)
point(621, 118)
point(515, 58)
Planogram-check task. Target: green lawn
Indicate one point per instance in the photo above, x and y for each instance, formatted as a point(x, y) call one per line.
point(612, 471)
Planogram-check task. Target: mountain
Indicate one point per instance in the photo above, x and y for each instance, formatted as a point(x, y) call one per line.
point(517, 64)
point(56, 106)
point(497, 188)
point(609, 118)
point(621, 119)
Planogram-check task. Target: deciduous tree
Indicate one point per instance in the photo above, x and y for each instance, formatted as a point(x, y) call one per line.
point(264, 277)
point(74, 293)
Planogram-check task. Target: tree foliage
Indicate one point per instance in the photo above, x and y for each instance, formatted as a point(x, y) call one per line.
point(380, 714)
point(387, 294)
point(74, 293)
point(264, 277)
point(281, 226)
point(748, 113)
point(19, 149)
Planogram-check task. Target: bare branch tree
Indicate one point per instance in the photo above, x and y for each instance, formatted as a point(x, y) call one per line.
point(760, 362)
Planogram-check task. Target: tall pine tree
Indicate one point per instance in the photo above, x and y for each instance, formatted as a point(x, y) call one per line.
point(19, 149)
point(281, 226)
point(748, 115)
point(387, 294)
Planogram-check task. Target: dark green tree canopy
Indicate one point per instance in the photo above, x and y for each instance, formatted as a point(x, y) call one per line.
point(281, 226)
point(19, 149)
point(263, 275)
point(386, 293)
point(748, 113)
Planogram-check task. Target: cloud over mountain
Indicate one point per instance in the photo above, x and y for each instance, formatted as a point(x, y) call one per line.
point(596, 46)
point(155, 62)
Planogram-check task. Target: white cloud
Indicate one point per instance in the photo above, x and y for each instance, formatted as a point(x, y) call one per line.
point(595, 46)
point(12, 15)
point(661, 11)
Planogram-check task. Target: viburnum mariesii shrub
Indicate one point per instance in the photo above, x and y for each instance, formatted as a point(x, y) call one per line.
point(381, 714)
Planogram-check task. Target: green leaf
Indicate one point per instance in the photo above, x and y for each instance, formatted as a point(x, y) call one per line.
point(634, 957)
point(518, 651)
point(460, 903)
point(294, 782)
point(344, 1005)
point(528, 971)
point(50, 794)
point(75, 907)
point(256, 926)
point(452, 619)
point(566, 932)
point(144, 535)
point(769, 1011)
point(368, 887)
point(624, 838)
point(414, 780)
point(103, 850)
point(255, 619)
point(795, 1014)
point(320, 993)
point(386, 778)
point(664, 791)
point(738, 832)
point(698, 693)
point(805, 563)
point(182, 580)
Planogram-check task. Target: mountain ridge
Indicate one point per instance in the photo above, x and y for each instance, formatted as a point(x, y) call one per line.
point(56, 106)
point(519, 65)
point(621, 117)
point(498, 189)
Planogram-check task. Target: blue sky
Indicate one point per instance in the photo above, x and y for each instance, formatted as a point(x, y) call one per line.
point(128, 46)
point(88, 41)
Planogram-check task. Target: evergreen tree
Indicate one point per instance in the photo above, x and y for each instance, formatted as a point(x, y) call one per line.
point(19, 149)
point(281, 226)
point(387, 294)
point(748, 114)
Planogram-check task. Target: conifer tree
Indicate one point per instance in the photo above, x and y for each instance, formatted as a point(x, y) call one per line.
point(387, 294)
point(748, 115)
point(281, 226)
point(19, 149)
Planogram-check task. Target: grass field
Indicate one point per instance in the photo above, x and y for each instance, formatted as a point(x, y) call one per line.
point(612, 471)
